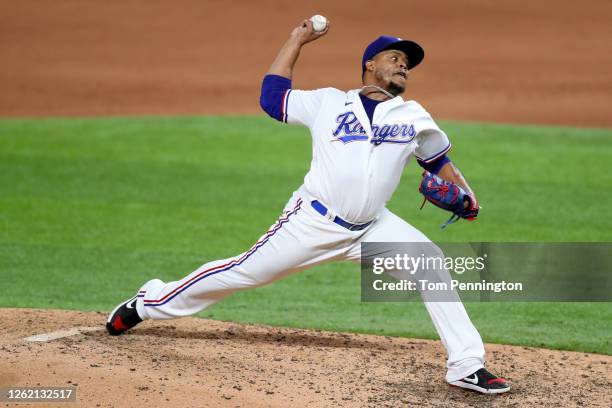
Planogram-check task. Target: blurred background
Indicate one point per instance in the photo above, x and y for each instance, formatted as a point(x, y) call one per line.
point(543, 61)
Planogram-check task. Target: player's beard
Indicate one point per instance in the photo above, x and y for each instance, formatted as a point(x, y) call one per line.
point(392, 87)
point(395, 89)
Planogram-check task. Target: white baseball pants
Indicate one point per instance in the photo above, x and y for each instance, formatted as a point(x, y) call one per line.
point(299, 239)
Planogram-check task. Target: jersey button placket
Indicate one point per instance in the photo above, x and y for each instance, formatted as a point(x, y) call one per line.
point(369, 167)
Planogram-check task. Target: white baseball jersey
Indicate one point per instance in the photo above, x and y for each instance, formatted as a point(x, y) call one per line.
point(356, 166)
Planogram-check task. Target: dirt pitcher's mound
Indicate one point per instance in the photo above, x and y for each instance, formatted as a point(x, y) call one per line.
point(196, 363)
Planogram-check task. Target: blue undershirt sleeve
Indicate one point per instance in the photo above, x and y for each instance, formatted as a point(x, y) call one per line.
point(436, 165)
point(272, 99)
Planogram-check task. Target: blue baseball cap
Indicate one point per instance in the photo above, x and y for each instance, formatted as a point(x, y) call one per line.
point(413, 50)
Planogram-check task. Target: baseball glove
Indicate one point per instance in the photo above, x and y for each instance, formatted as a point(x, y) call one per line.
point(449, 197)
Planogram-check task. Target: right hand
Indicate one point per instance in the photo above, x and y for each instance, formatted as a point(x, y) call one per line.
point(305, 33)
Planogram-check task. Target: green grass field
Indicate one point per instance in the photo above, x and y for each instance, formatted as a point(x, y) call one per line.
point(92, 208)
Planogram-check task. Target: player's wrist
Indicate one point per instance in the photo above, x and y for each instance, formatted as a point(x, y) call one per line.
point(294, 39)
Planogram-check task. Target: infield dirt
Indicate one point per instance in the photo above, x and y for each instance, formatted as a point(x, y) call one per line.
point(203, 363)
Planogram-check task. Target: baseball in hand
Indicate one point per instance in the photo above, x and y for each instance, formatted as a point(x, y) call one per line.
point(319, 23)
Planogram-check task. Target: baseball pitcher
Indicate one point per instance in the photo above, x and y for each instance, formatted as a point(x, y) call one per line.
point(362, 140)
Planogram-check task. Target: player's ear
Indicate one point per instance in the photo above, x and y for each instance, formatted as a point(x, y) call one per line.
point(369, 65)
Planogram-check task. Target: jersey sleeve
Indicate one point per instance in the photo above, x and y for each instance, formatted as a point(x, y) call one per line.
point(288, 105)
point(432, 142)
point(302, 107)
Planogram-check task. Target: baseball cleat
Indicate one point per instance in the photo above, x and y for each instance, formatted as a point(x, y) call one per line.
point(484, 382)
point(124, 317)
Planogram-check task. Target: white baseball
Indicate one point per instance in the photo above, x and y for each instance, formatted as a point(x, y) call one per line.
point(318, 23)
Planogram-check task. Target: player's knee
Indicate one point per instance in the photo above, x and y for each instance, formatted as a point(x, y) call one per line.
point(254, 279)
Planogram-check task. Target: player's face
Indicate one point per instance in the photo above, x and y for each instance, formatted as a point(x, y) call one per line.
point(391, 70)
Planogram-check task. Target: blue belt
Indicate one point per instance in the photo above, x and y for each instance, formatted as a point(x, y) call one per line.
point(321, 209)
